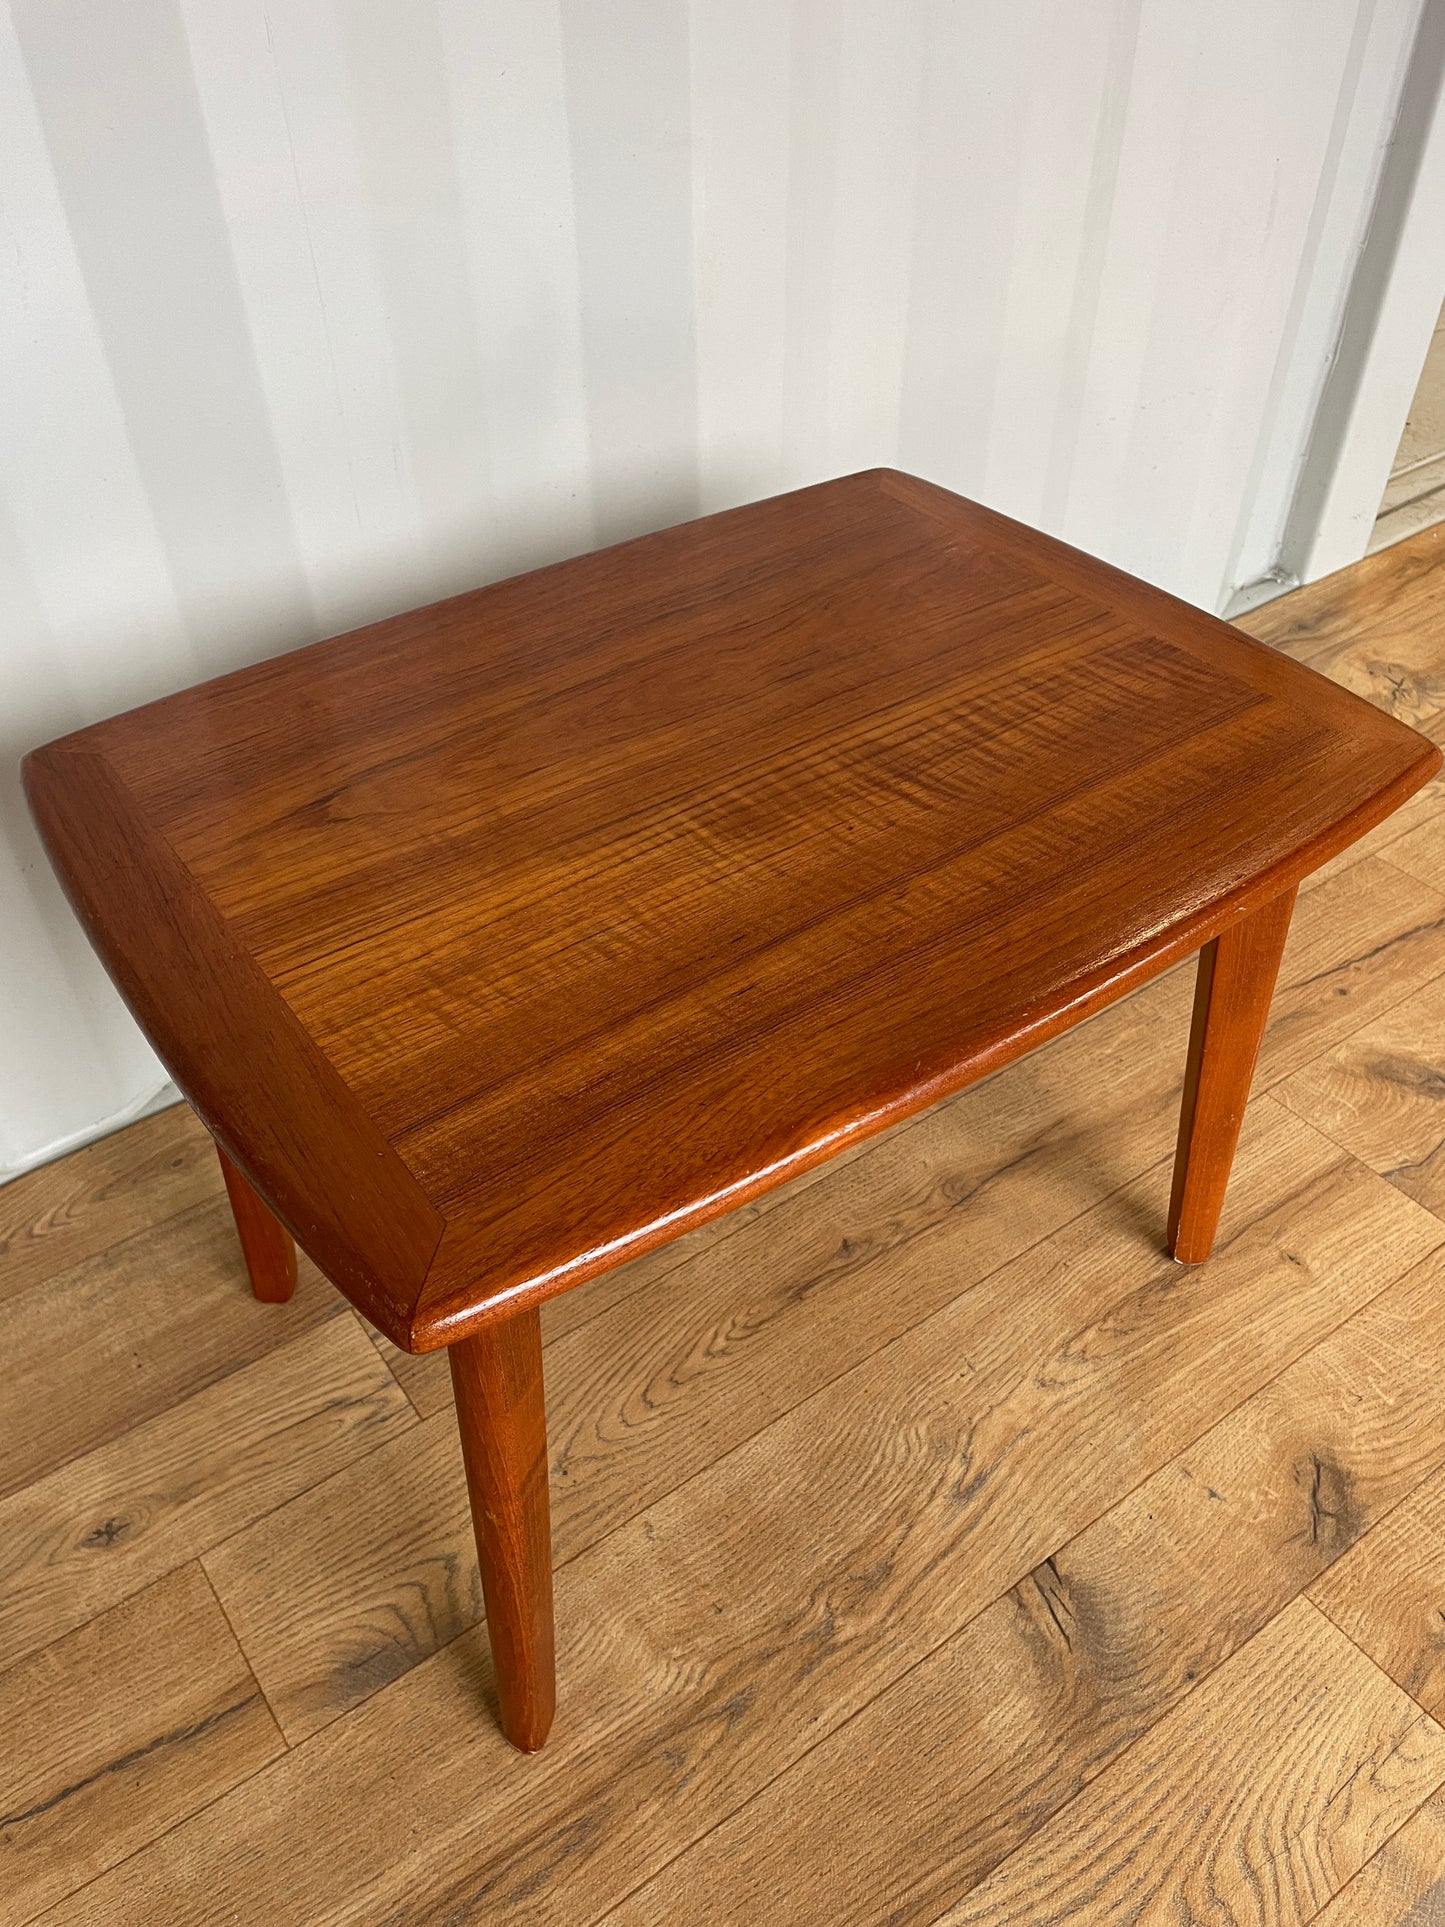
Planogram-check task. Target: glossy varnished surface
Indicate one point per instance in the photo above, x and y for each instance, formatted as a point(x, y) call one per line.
point(567, 913)
point(892, 1512)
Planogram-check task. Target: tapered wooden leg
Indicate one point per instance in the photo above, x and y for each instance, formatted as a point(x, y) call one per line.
point(266, 1243)
point(497, 1381)
point(1231, 1002)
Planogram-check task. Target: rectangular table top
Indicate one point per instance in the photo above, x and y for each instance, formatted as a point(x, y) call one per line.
point(501, 940)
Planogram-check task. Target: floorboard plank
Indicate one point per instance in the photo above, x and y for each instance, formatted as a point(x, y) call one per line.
point(127, 1333)
point(1256, 1799)
point(54, 1218)
point(1359, 945)
point(1375, 627)
point(951, 1769)
point(355, 1582)
point(1420, 849)
point(1389, 1594)
point(115, 1519)
point(714, 1639)
point(1381, 1094)
point(1403, 1885)
point(117, 1732)
point(378, 1571)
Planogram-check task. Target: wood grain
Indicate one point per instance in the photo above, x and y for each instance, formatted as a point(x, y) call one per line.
point(1231, 1004)
point(118, 1731)
point(266, 1244)
point(1381, 1094)
point(1331, 1759)
point(359, 1579)
point(501, 1415)
point(147, 1338)
point(955, 1765)
point(264, 1091)
point(56, 1217)
point(1358, 945)
point(948, 1764)
point(1390, 1593)
point(115, 1519)
point(1404, 1884)
point(566, 914)
point(1374, 627)
point(711, 1641)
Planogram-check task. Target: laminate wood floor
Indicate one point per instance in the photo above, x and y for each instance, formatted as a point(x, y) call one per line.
point(929, 1548)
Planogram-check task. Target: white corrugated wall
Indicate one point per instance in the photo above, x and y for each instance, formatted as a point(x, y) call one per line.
point(317, 309)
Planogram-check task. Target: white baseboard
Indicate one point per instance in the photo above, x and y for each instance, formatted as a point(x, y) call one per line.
point(159, 1100)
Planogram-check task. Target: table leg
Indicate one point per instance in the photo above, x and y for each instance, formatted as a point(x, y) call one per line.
point(266, 1243)
point(497, 1382)
point(1231, 1002)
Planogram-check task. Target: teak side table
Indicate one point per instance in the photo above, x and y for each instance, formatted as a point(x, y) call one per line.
point(503, 940)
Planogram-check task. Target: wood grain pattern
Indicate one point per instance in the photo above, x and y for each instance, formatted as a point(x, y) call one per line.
point(118, 1731)
point(627, 962)
point(711, 1641)
point(1420, 848)
point(359, 1579)
point(1358, 945)
point(497, 1378)
point(1389, 1595)
point(266, 1244)
point(994, 1732)
point(255, 1078)
point(1374, 627)
point(115, 1519)
point(1334, 1760)
point(844, 1739)
point(1409, 838)
point(1231, 1003)
point(1404, 1884)
point(1382, 1095)
point(63, 1213)
point(148, 1338)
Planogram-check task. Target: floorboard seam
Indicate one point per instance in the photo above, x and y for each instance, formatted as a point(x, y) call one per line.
point(246, 1657)
point(700, 1471)
point(197, 1557)
point(778, 1417)
point(1365, 1865)
point(1300, 1593)
point(183, 1819)
point(1325, 1613)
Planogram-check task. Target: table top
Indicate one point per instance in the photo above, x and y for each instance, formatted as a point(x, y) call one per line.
point(502, 940)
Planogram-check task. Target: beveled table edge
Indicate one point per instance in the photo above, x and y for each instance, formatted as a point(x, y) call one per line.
point(303, 1138)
